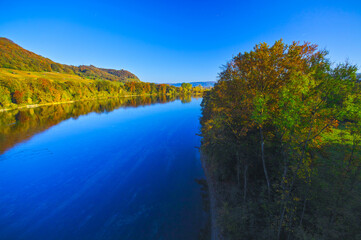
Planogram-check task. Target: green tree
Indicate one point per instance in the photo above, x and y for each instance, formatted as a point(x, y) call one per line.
point(268, 114)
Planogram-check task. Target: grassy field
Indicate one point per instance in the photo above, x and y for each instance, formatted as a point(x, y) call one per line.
point(6, 73)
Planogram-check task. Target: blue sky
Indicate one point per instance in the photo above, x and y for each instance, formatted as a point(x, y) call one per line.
point(176, 41)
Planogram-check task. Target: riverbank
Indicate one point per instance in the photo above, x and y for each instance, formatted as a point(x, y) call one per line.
point(213, 200)
point(72, 101)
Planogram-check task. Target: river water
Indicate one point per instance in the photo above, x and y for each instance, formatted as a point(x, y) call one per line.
point(114, 169)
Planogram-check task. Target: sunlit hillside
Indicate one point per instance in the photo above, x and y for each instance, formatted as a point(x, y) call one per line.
point(13, 56)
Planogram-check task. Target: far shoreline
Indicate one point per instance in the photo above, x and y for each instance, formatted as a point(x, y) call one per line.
point(30, 106)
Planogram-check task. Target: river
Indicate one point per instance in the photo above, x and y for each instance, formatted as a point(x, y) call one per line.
point(111, 169)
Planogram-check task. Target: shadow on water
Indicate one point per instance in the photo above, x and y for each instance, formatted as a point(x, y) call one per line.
point(20, 125)
point(205, 232)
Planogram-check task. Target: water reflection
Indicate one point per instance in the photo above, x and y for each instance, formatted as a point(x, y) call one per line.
point(20, 125)
point(124, 174)
point(186, 99)
point(205, 231)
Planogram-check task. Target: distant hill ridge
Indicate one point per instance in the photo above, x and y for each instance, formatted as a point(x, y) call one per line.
point(195, 84)
point(15, 57)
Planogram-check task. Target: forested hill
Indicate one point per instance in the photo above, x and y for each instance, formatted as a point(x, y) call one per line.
point(15, 57)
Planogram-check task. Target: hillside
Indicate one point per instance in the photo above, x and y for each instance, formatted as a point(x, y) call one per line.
point(21, 88)
point(15, 57)
point(27, 79)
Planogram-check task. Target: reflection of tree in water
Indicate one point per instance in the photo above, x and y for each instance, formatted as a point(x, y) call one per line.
point(19, 125)
point(186, 98)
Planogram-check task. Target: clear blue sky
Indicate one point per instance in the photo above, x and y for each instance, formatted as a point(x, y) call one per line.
point(176, 41)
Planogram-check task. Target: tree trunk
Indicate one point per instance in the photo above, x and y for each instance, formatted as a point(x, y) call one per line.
point(264, 164)
point(303, 211)
point(245, 183)
point(238, 169)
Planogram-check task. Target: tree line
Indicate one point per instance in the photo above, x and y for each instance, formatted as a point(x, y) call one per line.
point(20, 88)
point(281, 135)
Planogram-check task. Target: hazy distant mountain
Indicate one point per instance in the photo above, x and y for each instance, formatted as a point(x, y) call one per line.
point(194, 84)
point(15, 57)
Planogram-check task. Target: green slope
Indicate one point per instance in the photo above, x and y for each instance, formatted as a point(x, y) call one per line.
point(30, 79)
point(15, 57)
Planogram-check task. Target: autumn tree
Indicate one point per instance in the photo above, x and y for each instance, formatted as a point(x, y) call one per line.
point(268, 114)
point(18, 97)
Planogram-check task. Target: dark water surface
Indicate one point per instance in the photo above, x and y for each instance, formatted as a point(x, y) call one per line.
point(119, 169)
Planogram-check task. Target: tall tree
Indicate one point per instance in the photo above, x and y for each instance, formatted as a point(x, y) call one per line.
point(272, 106)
